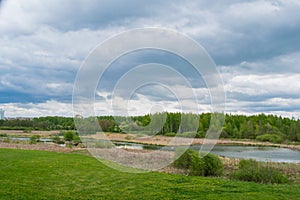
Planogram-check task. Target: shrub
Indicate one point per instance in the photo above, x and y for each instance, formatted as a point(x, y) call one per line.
point(27, 130)
point(251, 170)
point(209, 165)
point(191, 161)
point(184, 160)
point(71, 136)
point(187, 134)
point(270, 138)
point(34, 139)
point(128, 137)
point(56, 139)
point(213, 165)
point(170, 134)
point(7, 140)
point(3, 135)
point(68, 135)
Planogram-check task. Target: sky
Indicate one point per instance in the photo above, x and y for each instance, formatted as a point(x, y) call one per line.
point(254, 44)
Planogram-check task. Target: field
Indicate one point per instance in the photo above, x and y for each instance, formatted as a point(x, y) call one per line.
point(30, 174)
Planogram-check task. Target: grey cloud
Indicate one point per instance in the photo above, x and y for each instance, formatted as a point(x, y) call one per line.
point(26, 17)
point(43, 44)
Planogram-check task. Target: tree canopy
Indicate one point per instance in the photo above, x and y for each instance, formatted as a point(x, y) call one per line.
point(261, 127)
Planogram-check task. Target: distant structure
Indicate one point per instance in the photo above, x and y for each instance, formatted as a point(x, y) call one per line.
point(1, 114)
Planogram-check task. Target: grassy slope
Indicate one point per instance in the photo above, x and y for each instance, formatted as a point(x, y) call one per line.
point(28, 174)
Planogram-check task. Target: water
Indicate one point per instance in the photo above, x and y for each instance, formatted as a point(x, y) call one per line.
point(27, 139)
point(132, 145)
point(20, 138)
point(272, 154)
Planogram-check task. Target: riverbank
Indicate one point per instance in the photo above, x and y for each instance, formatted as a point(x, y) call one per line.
point(180, 141)
point(29, 133)
point(49, 175)
point(292, 170)
point(38, 146)
point(153, 140)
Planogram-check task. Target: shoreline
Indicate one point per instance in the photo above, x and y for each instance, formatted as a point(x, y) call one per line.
point(180, 141)
point(38, 146)
point(158, 140)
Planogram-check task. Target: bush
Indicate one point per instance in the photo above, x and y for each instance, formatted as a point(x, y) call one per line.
point(56, 139)
point(191, 161)
point(27, 130)
point(34, 139)
point(187, 134)
point(209, 165)
point(128, 137)
point(3, 135)
point(270, 138)
point(251, 170)
point(71, 136)
point(213, 165)
point(170, 134)
point(7, 140)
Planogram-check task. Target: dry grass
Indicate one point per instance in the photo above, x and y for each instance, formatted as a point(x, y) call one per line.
point(230, 164)
point(178, 141)
point(28, 134)
point(38, 146)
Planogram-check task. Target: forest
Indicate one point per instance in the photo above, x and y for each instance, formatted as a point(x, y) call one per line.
point(259, 127)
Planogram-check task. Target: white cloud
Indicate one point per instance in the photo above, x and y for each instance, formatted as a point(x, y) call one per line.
point(285, 107)
point(257, 42)
point(269, 86)
point(48, 108)
point(265, 84)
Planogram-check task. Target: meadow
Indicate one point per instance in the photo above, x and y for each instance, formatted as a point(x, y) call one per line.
point(31, 174)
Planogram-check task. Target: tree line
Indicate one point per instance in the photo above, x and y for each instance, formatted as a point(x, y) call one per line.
point(261, 127)
point(38, 123)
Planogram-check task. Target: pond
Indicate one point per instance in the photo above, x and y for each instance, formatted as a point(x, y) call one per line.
point(273, 154)
point(27, 139)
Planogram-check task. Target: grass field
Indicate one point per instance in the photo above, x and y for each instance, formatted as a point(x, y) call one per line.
point(28, 174)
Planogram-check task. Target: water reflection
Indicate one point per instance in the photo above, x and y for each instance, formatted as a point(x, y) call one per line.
point(272, 154)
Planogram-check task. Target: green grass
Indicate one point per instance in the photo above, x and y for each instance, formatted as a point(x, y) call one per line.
point(28, 174)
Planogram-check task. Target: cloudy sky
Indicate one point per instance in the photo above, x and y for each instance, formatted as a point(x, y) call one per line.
point(254, 44)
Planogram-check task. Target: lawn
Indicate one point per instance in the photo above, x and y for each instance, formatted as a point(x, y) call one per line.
point(28, 174)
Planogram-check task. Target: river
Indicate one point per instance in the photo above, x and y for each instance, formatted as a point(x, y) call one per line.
point(259, 153)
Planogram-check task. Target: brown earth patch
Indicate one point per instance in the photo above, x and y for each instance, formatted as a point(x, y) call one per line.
point(163, 140)
point(38, 146)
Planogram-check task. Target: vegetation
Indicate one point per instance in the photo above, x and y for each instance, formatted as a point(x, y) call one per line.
point(191, 161)
point(71, 136)
point(270, 138)
point(34, 139)
point(50, 175)
point(3, 135)
point(251, 170)
point(39, 123)
point(56, 139)
point(213, 165)
point(100, 144)
point(260, 127)
point(208, 165)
